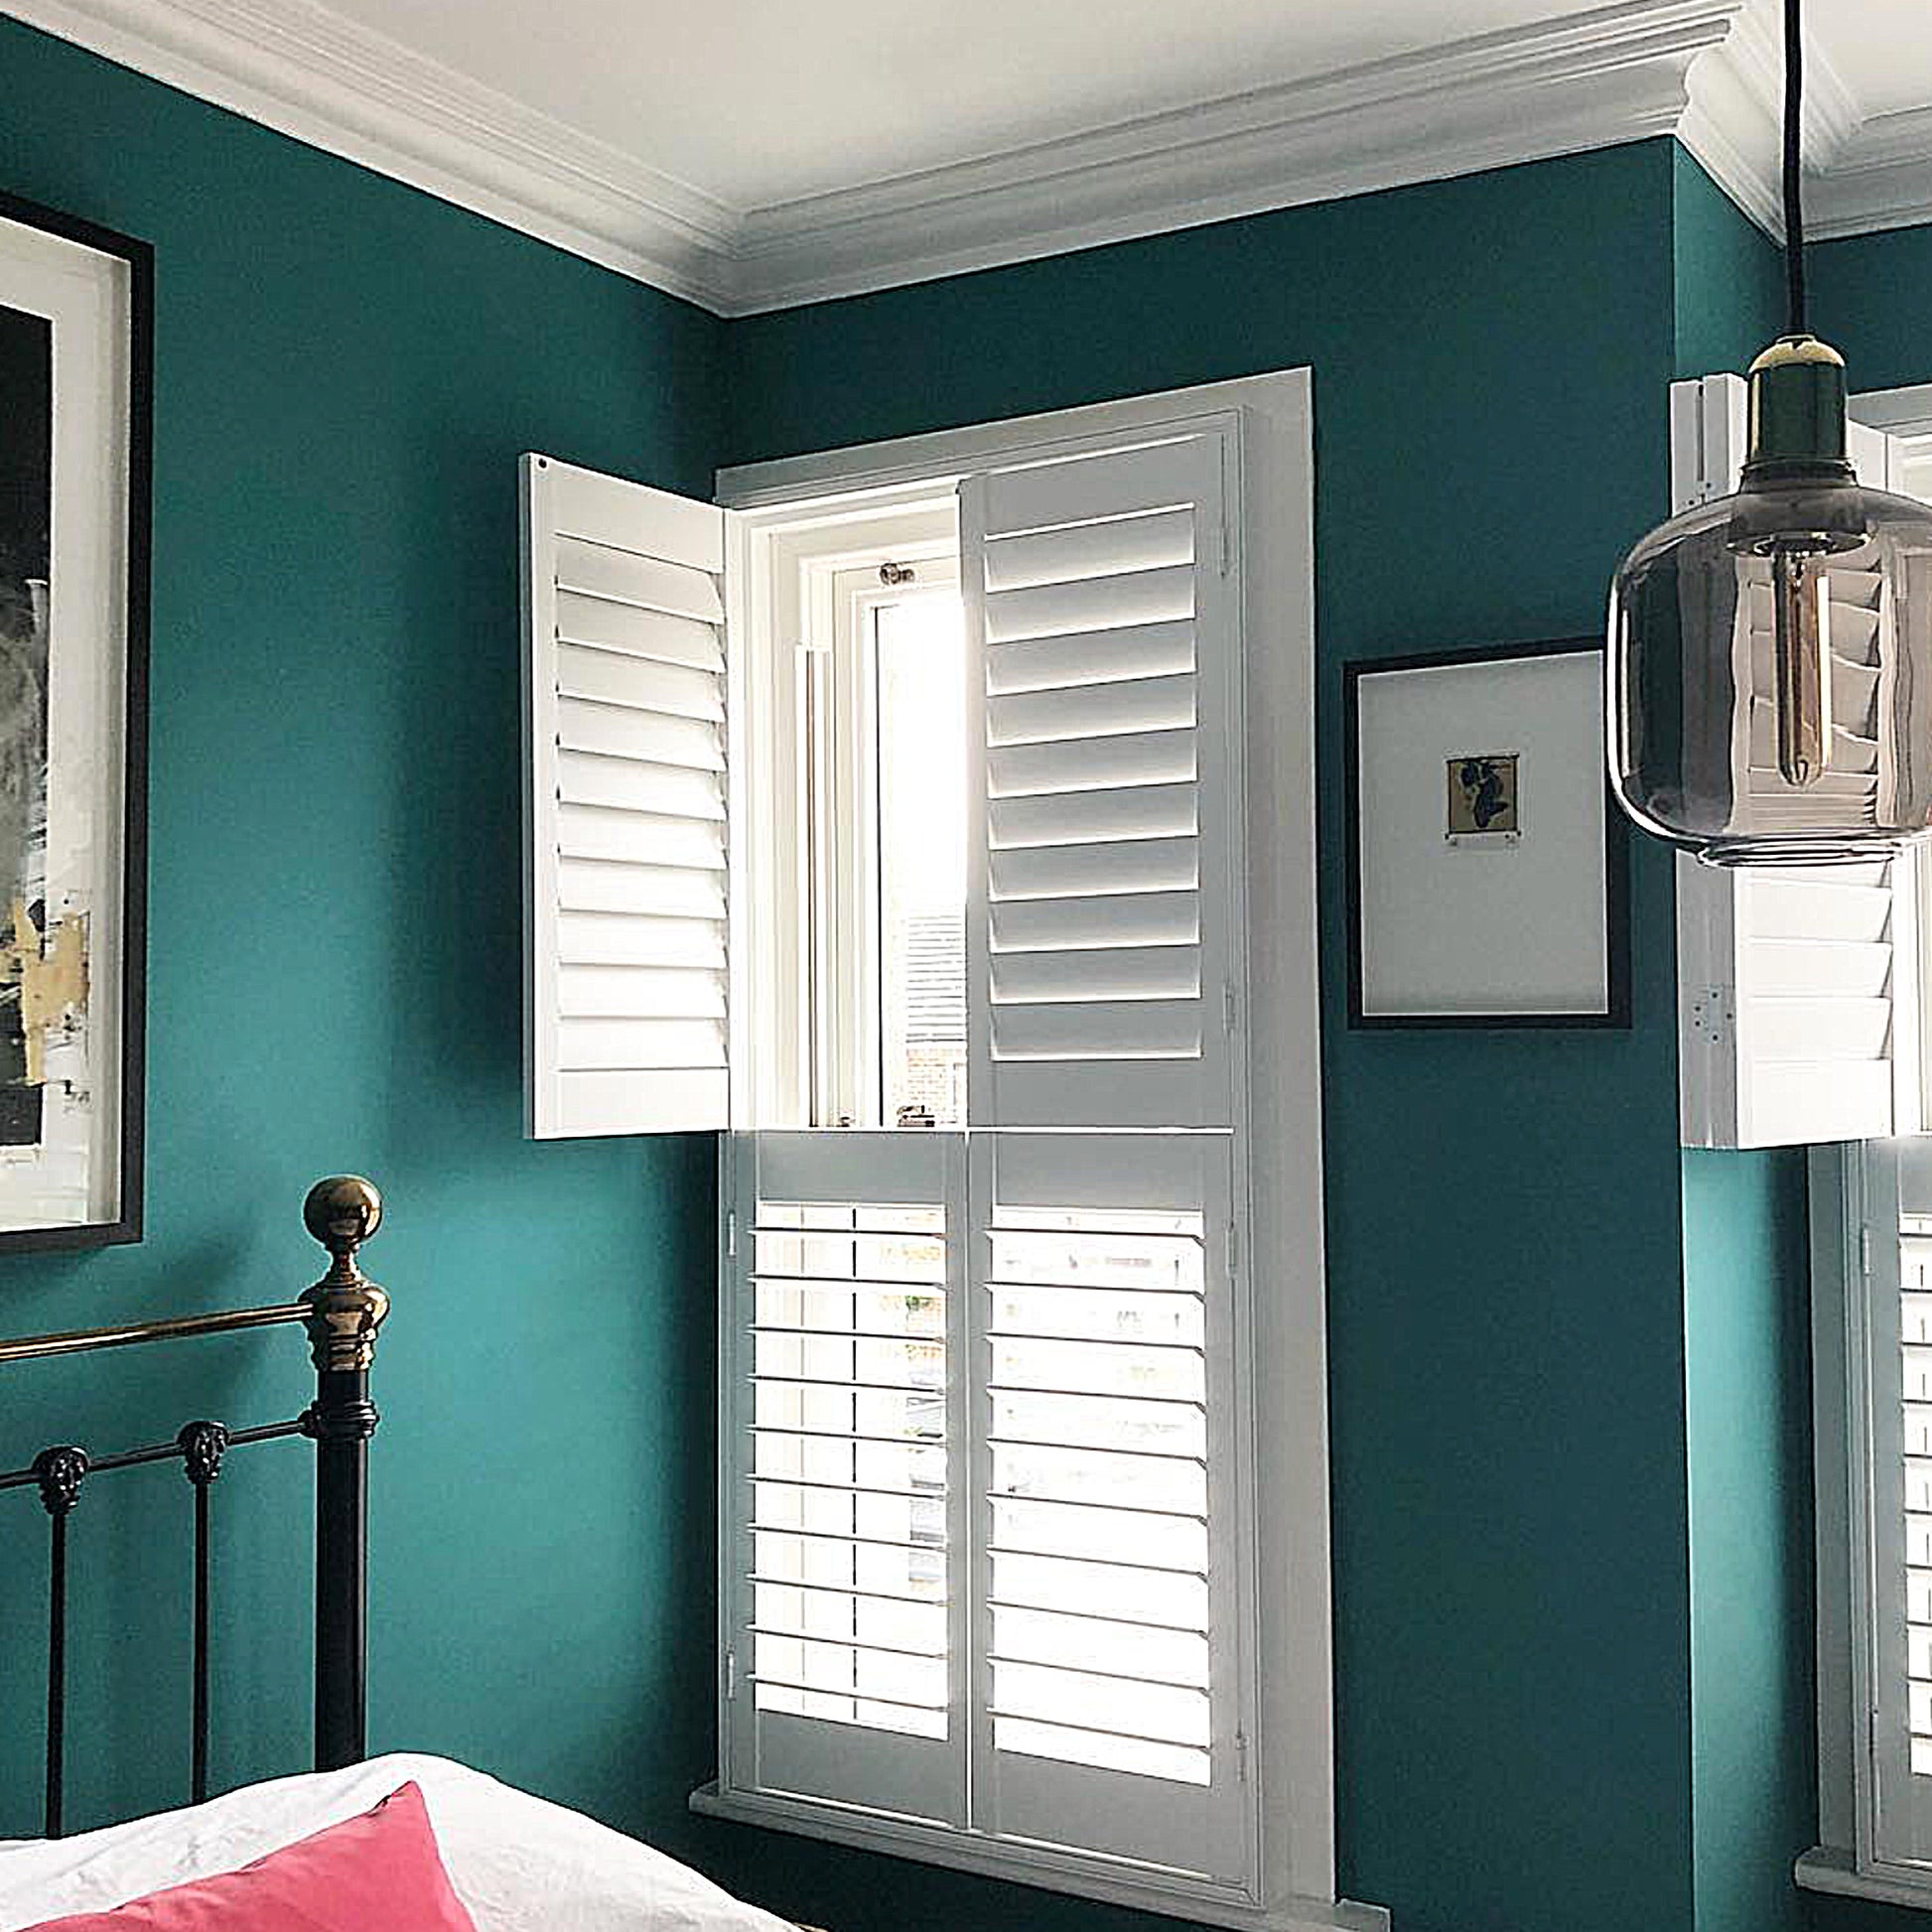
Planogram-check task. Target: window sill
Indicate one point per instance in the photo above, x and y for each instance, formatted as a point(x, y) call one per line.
point(1825, 1869)
point(905, 1838)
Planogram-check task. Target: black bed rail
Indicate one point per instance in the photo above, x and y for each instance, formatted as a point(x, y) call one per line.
point(341, 1315)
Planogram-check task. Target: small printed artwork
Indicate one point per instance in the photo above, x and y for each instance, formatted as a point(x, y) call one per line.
point(1469, 903)
point(1482, 795)
point(74, 536)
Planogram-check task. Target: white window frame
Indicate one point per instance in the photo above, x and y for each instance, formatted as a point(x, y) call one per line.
point(1286, 1420)
point(1848, 1184)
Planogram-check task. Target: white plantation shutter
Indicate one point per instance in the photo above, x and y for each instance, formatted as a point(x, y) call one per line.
point(844, 1673)
point(625, 810)
point(1103, 849)
point(1798, 989)
point(1106, 1489)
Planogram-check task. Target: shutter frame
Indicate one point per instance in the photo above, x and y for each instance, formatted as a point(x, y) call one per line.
point(1752, 945)
point(626, 767)
point(1081, 791)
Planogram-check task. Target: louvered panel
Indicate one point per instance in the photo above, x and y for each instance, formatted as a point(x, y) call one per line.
point(641, 838)
point(642, 736)
point(1102, 1313)
point(1095, 817)
point(1092, 656)
point(626, 895)
point(594, 886)
point(1133, 866)
point(1075, 551)
point(1089, 974)
point(646, 581)
point(630, 992)
point(608, 939)
point(673, 790)
point(623, 628)
point(1152, 704)
point(1100, 603)
point(642, 683)
point(1105, 642)
point(844, 1559)
point(1076, 925)
point(1094, 764)
point(637, 1045)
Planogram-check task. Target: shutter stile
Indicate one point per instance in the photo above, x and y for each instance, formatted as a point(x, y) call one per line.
point(1101, 635)
point(626, 988)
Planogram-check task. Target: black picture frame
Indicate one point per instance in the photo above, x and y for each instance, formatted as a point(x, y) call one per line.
point(126, 1223)
point(1616, 1015)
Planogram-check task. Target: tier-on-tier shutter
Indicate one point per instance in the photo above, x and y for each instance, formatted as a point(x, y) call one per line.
point(625, 840)
point(846, 1676)
point(1107, 1488)
point(1798, 989)
point(1103, 844)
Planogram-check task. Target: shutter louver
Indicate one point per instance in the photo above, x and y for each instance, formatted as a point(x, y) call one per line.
point(626, 993)
point(1101, 633)
point(846, 1272)
point(1101, 1308)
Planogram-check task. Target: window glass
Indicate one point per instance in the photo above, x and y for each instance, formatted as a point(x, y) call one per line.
point(920, 647)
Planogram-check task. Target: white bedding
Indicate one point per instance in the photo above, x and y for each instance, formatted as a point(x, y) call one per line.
point(518, 1864)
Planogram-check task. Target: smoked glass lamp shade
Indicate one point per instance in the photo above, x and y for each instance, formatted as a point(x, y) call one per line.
point(1770, 653)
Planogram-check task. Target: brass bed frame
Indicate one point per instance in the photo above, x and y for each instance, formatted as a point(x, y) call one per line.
point(341, 1315)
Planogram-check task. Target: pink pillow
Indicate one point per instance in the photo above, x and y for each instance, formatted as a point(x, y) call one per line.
point(380, 1872)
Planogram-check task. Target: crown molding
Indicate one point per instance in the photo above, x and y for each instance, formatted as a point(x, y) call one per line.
point(306, 70)
point(1617, 73)
point(1706, 70)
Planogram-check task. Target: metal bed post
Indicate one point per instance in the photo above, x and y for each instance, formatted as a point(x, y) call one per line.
point(346, 1311)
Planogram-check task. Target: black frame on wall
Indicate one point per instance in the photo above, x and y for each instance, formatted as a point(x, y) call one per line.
point(1617, 853)
point(127, 1225)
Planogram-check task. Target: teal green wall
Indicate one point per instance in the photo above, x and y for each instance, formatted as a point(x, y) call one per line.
point(346, 373)
point(1503, 1219)
point(1746, 1297)
point(1753, 1739)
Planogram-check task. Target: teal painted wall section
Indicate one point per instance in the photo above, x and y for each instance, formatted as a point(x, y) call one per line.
point(1746, 1316)
point(1503, 1209)
point(1747, 1293)
point(347, 373)
point(1729, 279)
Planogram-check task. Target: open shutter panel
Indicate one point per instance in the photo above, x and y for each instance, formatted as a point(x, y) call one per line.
point(1102, 646)
point(1798, 987)
point(624, 839)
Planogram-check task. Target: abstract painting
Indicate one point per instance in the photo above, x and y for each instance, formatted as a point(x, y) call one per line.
point(74, 323)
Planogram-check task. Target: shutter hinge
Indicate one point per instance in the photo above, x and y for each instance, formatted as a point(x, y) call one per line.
point(731, 1674)
point(1713, 1016)
point(1228, 1009)
point(1234, 1249)
point(730, 1234)
point(1865, 1252)
point(1241, 1755)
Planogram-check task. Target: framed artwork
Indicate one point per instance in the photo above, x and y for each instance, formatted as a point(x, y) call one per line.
point(75, 358)
point(1489, 880)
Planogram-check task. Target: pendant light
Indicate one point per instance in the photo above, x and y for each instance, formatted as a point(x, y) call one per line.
point(1770, 653)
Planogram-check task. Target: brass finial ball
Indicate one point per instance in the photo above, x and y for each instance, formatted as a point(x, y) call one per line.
point(343, 1211)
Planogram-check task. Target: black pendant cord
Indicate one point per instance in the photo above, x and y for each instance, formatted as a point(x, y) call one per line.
point(1794, 213)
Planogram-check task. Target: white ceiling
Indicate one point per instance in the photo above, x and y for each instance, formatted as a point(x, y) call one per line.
point(833, 94)
point(751, 153)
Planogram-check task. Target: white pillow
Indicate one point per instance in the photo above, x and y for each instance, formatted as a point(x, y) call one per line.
point(518, 1862)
